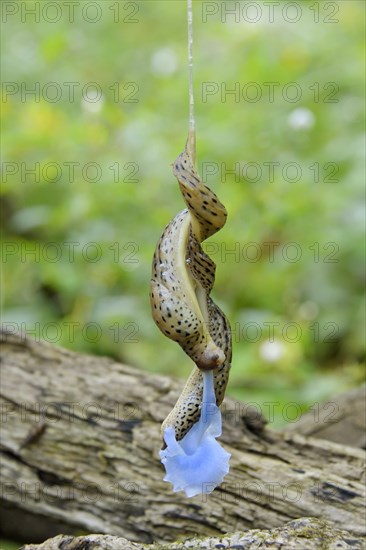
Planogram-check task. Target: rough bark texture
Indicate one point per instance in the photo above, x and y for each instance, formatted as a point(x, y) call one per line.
point(342, 419)
point(305, 533)
point(79, 451)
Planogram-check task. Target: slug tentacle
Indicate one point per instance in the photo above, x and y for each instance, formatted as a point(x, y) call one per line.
point(182, 279)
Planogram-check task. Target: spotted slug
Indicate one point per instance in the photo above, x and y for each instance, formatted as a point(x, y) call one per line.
point(182, 279)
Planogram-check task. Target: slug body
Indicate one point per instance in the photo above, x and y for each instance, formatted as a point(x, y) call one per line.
point(182, 279)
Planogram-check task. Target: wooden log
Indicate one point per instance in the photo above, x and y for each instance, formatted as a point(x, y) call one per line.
point(79, 451)
point(341, 419)
point(305, 533)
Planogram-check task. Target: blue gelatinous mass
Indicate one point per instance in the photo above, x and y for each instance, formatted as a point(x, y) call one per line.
point(197, 463)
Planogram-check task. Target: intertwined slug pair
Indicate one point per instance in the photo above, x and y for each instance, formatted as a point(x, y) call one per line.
point(182, 279)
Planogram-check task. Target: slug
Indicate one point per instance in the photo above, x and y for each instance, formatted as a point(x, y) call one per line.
point(182, 279)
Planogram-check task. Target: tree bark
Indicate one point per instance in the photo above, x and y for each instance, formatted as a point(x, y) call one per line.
point(79, 450)
point(305, 533)
point(342, 420)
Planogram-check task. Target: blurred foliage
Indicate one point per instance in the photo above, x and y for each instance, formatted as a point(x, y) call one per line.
point(8, 545)
point(95, 297)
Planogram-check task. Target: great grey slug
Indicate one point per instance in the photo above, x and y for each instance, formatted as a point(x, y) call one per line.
point(182, 279)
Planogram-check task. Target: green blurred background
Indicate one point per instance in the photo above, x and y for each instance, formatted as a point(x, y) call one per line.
point(296, 309)
point(86, 286)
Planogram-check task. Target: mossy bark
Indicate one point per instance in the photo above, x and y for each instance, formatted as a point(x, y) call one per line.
point(305, 533)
